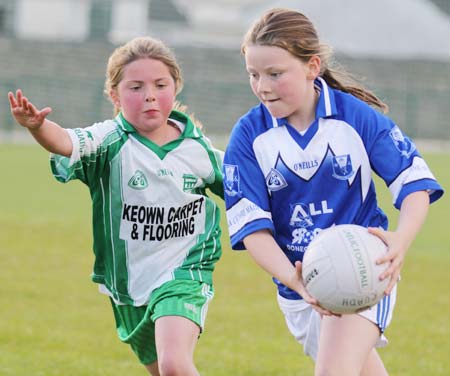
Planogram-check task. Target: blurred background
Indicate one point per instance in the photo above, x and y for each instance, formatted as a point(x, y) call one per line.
point(56, 51)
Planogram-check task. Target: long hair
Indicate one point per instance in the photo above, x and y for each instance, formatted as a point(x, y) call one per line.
point(294, 32)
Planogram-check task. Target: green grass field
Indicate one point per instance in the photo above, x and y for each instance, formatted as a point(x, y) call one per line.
point(53, 322)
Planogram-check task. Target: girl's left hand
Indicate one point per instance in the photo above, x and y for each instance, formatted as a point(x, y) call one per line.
point(395, 256)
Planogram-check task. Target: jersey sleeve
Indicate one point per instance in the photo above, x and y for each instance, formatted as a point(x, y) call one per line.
point(215, 180)
point(246, 199)
point(395, 158)
point(91, 149)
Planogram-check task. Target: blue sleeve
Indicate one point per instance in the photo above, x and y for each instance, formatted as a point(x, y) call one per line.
point(395, 158)
point(246, 198)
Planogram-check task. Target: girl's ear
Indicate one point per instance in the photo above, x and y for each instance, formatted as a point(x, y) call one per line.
point(314, 64)
point(114, 98)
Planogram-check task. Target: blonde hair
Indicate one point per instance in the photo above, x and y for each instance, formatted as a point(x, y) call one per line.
point(140, 48)
point(294, 32)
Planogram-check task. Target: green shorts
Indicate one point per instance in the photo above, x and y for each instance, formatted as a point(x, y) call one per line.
point(136, 325)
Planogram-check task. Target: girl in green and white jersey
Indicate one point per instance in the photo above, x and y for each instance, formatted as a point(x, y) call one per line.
point(156, 232)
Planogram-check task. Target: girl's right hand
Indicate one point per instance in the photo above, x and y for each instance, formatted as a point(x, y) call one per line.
point(25, 113)
point(306, 296)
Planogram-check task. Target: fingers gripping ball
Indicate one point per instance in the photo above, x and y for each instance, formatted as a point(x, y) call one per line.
point(340, 270)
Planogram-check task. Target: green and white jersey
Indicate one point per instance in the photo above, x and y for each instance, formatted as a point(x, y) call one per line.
point(152, 219)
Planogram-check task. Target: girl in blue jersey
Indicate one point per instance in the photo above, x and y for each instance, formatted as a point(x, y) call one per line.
point(300, 162)
point(156, 232)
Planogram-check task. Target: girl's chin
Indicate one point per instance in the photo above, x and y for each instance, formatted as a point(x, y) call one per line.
point(278, 114)
point(275, 110)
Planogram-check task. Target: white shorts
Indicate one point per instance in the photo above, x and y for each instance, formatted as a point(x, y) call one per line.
point(303, 321)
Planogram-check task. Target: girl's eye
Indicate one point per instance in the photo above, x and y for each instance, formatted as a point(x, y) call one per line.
point(135, 88)
point(275, 74)
point(253, 75)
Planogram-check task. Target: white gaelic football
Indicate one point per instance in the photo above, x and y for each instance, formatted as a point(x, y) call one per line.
point(340, 271)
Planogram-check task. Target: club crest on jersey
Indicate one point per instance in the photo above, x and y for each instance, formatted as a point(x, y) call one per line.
point(342, 167)
point(403, 144)
point(231, 179)
point(189, 182)
point(275, 181)
point(138, 181)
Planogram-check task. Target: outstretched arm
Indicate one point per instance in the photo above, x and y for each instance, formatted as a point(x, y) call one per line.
point(267, 254)
point(413, 212)
point(47, 133)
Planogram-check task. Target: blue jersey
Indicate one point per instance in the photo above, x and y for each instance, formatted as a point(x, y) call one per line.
point(297, 184)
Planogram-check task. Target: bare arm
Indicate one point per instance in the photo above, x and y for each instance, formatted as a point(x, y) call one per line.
point(413, 212)
point(267, 254)
point(47, 133)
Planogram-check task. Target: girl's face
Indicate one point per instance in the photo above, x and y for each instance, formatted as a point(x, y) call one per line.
point(145, 95)
point(282, 82)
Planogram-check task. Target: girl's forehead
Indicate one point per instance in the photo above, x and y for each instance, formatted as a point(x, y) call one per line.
point(261, 56)
point(145, 68)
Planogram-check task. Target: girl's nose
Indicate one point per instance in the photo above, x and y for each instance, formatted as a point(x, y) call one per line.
point(149, 96)
point(263, 86)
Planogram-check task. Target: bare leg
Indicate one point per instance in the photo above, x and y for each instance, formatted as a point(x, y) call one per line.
point(374, 365)
point(176, 338)
point(346, 347)
point(153, 369)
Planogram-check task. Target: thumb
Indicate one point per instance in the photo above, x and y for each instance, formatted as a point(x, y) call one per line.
point(298, 269)
point(379, 232)
point(44, 113)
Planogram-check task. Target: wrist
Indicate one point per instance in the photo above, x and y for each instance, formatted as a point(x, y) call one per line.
point(35, 128)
